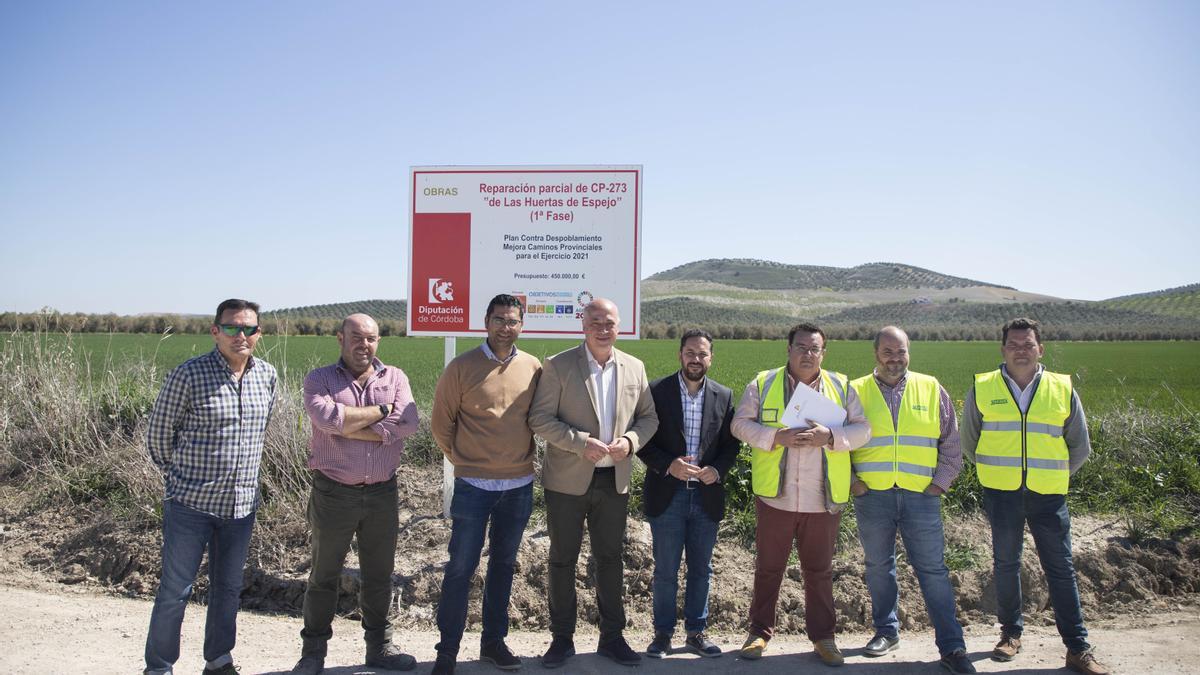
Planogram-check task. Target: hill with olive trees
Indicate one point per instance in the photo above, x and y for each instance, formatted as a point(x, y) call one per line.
point(766, 274)
point(744, 298)
point(1182, 301)
point(379, 309)
point(759, 298)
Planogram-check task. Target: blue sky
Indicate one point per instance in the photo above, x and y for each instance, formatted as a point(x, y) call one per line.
point(163, 156)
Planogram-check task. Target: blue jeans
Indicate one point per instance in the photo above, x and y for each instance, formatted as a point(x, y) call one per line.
point(684, 525)
point(470, 510)
point(186, 533)
point(918, 517)
point(1050, 525)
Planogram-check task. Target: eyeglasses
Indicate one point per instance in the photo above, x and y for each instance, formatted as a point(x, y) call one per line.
point(811, 351)
point(507, 323)
point(1026, 347)
point(232, 330)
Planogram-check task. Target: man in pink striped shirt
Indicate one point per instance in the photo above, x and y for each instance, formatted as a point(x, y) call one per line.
point(361, 412)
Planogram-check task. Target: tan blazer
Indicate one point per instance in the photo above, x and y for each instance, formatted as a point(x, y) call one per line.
point(564, 413)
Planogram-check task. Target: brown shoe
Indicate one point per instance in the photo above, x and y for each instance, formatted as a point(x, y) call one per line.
point(828, 651)
point(1085, 662)
point(754, 647)
point(1006, 648)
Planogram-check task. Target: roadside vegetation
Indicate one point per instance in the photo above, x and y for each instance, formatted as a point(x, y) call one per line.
point(73, 412)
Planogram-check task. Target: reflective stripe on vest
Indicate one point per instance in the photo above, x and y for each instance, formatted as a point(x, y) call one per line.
point(1012, 445)
point(903, 455)
point(766, 466)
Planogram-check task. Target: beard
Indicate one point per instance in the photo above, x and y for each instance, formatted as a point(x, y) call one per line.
point(695, 374)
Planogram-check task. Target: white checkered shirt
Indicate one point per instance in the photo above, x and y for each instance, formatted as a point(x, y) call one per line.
point(206, 433)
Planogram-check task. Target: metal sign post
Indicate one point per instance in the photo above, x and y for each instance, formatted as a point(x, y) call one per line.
point(450, 347)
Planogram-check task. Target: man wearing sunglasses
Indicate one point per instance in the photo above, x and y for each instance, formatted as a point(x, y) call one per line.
point(361, 412)
point(206, 437)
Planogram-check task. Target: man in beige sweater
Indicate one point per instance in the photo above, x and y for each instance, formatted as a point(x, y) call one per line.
point(479, 421)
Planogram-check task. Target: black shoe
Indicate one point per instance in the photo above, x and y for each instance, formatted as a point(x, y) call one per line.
point(227, 669)
point(309, 664)
point(389, 657)
point(700, 644)
point(498, 654)
point(561, 648)
point(618, 650)
point(881, 644)
point(957, 662)
point(660, 646)
point(444, 665)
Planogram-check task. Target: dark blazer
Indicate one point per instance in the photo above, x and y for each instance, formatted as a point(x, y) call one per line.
point(718, 447)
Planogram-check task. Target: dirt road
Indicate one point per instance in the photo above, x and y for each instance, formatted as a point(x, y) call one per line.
point(51, 628)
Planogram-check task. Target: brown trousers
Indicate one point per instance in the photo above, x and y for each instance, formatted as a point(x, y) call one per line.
point(815, 535)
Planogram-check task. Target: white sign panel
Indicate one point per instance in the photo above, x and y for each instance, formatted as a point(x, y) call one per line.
point(554, 236)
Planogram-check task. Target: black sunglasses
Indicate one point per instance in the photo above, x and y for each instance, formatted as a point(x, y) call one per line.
point(232, 330)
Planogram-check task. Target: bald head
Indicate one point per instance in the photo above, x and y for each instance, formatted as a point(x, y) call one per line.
point(602, 305)
point(359, 321)
point(601, 321)
point(359, 340)
point(892, 332)
point(891, 354)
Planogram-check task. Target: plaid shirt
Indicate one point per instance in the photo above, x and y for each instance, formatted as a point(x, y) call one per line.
point(693, 416)
point(327, 393)
point(206, 433)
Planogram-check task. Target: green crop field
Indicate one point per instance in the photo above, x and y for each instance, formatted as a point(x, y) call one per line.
point(1109, 375)
point(69, 394)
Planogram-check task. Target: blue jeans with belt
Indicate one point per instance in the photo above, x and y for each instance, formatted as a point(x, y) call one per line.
point(918, 518)
point(186, 534)
point(682, 526)
point(472, 509)
point(1050, 524)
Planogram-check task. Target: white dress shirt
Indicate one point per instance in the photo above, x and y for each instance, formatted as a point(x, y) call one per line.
point(604, 383)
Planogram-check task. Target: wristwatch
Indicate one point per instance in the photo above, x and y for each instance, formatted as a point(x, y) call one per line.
point(383, 409)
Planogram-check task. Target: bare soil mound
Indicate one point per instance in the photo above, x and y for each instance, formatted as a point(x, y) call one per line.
point(82, 545)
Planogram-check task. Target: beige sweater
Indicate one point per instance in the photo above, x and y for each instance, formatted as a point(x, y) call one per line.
point(479, 415)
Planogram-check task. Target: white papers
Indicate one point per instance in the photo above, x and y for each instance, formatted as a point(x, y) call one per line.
point(809, 404)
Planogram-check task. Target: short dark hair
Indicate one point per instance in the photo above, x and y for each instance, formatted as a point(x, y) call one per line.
point(695, 332)
point(236, 305)
point(1022, 323)
point(505, 300)
point(805, 327)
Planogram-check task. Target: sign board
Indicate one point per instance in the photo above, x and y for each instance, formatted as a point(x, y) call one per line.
point(553, 236)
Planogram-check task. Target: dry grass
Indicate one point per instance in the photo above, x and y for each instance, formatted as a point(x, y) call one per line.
point(69, 436)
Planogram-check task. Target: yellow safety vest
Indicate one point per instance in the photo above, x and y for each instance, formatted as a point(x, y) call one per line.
point(1012, 444)
point(905, 454)
point(766, 466)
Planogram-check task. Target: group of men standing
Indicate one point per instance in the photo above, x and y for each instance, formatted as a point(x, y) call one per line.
point(896, 452)
point(1025, 429)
